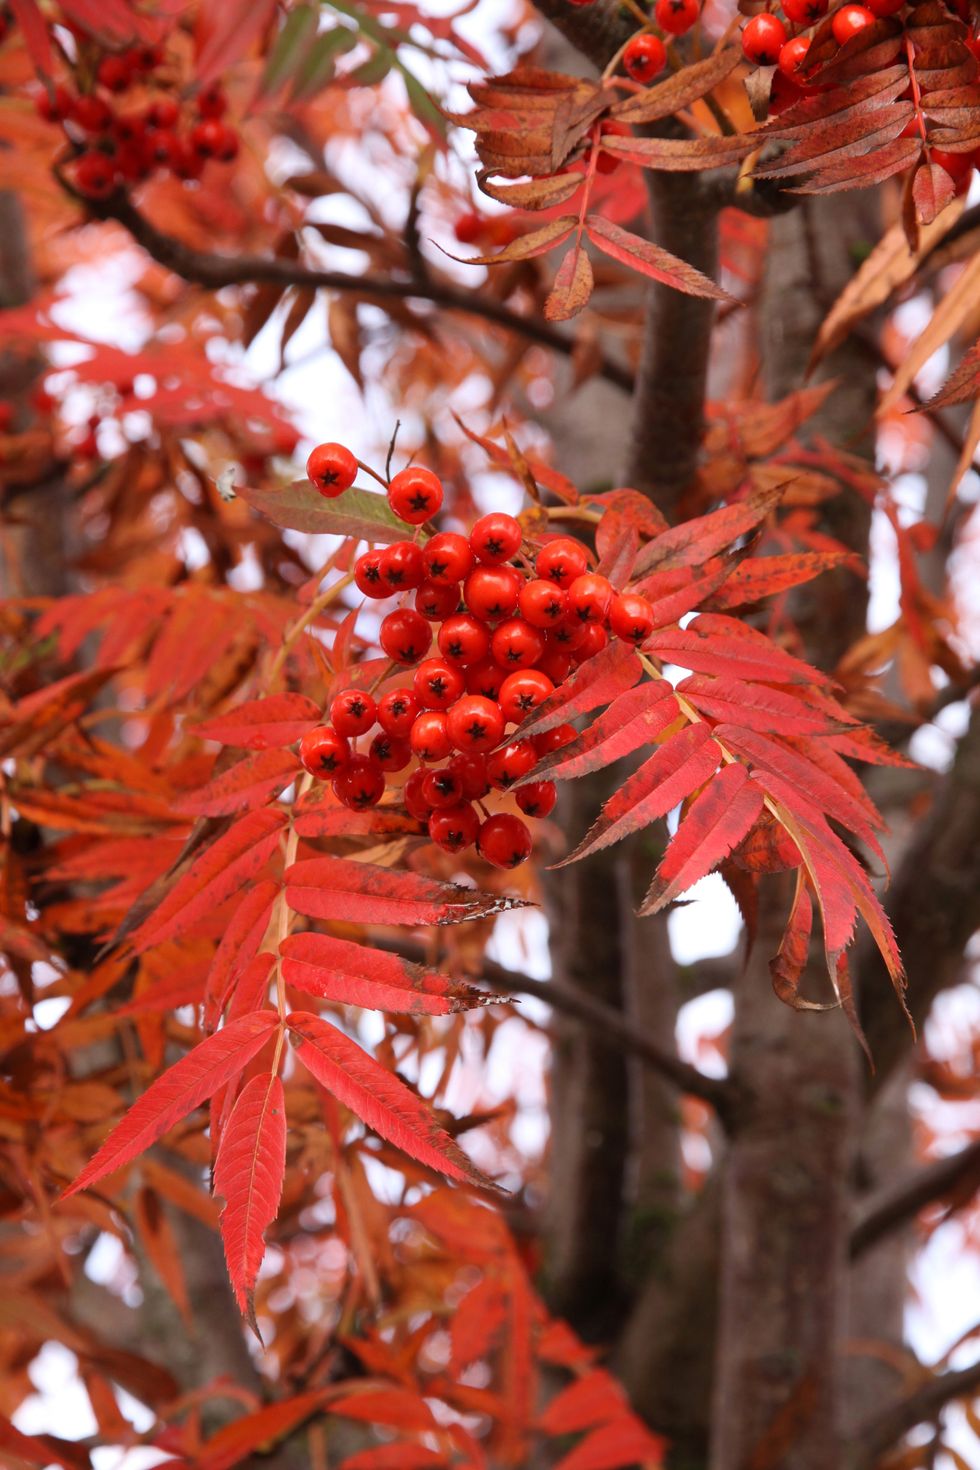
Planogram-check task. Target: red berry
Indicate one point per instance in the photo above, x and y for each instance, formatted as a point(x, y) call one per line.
point(542, 603)
point(537, 798)
point(792, 55)
point(148, 58)
point(464, 639)
point(405, 636)
point(510, 763)
point(162, 113)
point(645, 57)
point(162, 149)
point(957, 165)
point(631, 617)
point(332, 469)
point(130, 161)
point(437, 600)
point(555, 739)
point(95, 175)
point(207, 138)
point(397, 712)
point(415, 495)
point(191, 165)
point(522, 692)
point(430, 736)
point(762, 39)
point(415, 802)
point(491, 592)
point(211, 101)
point(437, 683)
point(323, 751)
point(443, 787)
point(569, 635)
point(595, 639)
point(360, 784)
point(353, 712)
point(556, 664)
point(228, 145)
point(113, 73)
point(448, 557)
point(471, 768)
point(516, 645)
point(401, 566)
point(485, 678)
point(129, 128)
point(590, 597)
point(468, 227)
point(496, 538)
point(390, 752)
point(562, 560)
point(504, 841)
point(475, 723)
point(92, 113)
point(454, 828)
point(805, 12)
point(676, 16)
point(367, 575)
point(848, 21)
point(54, 106)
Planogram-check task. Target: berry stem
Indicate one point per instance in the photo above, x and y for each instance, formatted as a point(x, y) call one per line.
point(282, 917)
point(373, 473)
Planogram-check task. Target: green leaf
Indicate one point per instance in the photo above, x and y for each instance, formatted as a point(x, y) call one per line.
point(299, 507)
point(290, 50)
point(320, 62)
point(422, 104)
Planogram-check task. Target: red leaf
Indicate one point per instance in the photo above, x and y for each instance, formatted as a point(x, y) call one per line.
point(787, 964)
point(238, 24)
point(400, 1456)
point(697, 541)
point(755, 706)
point(252, 782)
point(672, 593)
point(636, 718)
point(323, 817)
point(263, 724)
point(606, 674)
point(572, 286)
point(709, 647)
point(682, 763)
point(477, 1323)
point(525, 247)
point(722, 815)
point(178, 1092)
point(595, 1398)
point(356, 975)
point(239, 945)
point(620, 1445)
point(378, 1098)
point(218, 872)
point(361, 893)
point(235, 1442)
point(34, 29)
point(396, 1408)
point(248, 1173)
point(765, 576)
point(651, 260)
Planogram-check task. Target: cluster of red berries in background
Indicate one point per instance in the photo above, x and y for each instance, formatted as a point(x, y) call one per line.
point(511, 625)
point(115, 141)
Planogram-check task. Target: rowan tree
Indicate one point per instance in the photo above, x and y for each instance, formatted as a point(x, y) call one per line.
point(658, 332)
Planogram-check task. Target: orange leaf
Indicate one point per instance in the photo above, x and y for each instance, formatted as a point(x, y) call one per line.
point(248, 1173)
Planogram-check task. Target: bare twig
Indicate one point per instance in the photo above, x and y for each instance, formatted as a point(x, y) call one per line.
point(892, 1208)
point(919, 1407)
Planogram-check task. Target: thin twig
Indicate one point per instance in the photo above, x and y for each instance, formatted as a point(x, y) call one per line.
point(892, 1208)
point(919, 1407)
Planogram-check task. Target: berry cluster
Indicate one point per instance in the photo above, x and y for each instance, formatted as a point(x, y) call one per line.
point(512, 624)
point(112, 144)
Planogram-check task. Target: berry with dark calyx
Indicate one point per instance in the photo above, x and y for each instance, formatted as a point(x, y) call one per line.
point(353, 712)
point(504, 841)
point(762, 39)
point(415, 495)
point(415, 803)
point(92, 113)
point(516, 645)
point(849, 20)
point(523, 691)
point(443, 788)
point(561, 561)
point(54, 105)
point(537, 798)
point(162, 149)
point(542, 603)
point(390, 752)
point(676, 16)
point(448, 557)
point(594, 641)
point(332, 469)
point(510, 763)
point(207, 137)
point(191, 165)
point(360, 784)
point(631, 617)
point(485, 678)
point(645, 57)
point(148, 58)
point(590, 597)
point(475, 723)
point(398, 711)
point(491, 592)
point(130, 162)
point(367, 575)
point(554, 739)
point(162, 113)
point(402, 567)
point(805, 12)
point(211, 101)
point(464, 639)
point(324, 751)
point(569, 635)
point(430, 736)
point(471, 768)
point(405, 636)
point(95, 175)
point(228, 146)
point(454, 828)
point(113, 73)
point(556, 664)
point(437, 683)
point(496, 538)
point(437, 600)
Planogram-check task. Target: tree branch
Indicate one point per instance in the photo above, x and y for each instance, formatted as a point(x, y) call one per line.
point(893, 1207)
point(918, 1408)
point(213, 271)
